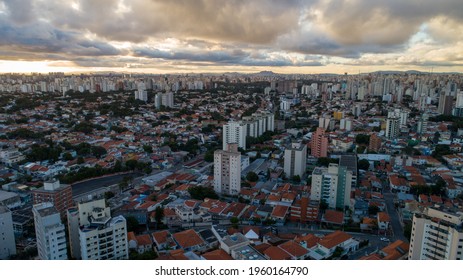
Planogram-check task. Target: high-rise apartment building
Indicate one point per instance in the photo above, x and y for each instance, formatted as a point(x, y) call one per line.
point(392, 128)
point(227, 170)
point(164, 99)
point(59, 195)
point(7, 241)
point(141, 95)
point(445, 105)
point(350, 162)
point(258, 123)
point(332, 185)
point(95, 235)
point(50, 232)
point(422, 125)
point(234, 132)
point(375, 143)
point(437, 234)
point(295, 160)
point(319, 143)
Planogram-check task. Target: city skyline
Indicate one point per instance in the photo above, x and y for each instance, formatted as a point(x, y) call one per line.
point(232, 36)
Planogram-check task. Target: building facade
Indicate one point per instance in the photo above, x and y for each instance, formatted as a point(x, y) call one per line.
point(437, 234)
point(7, 241)
point(50, 232)
point(234, 132)
point(375, 143)
point(319, 143)
point(332, 185)
point(58, 194)
point(392, 128)
point(227, 170)
point(295, 160)
point(100, 236)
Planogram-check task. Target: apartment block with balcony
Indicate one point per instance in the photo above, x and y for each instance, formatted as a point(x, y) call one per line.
point(50, 232)
point(100, 236)
point(437, 234)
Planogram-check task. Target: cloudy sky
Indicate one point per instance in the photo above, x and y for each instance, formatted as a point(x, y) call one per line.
point(173, 36)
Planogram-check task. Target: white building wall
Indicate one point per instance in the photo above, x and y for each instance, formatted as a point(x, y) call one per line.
point(7, 241)
point(50, 232)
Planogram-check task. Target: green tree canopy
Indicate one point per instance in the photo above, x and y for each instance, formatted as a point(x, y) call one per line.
point(364, 164)
point(252, 177)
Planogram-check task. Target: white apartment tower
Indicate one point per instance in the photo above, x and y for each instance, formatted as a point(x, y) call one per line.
point(333, 185)
point(234, 133)
point(164, 99)
point(50, 232)
point(392, 128)
point(258, 123)
point(227, 170)
point(95, 235)
point(295, 160)
point(7, 242)
point(437, 234)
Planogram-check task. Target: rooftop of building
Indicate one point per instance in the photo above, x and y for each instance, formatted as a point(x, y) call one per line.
point(349, 161)
point(4, 209)
point(47, 211)
point(4, 195)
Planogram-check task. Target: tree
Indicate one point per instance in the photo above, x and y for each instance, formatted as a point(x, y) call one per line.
point(235, 221)
point(256, 220)
point(131, 164)
point(364, 164)
point(323, 205)
point(159, 214)
point(362, 139)
point(67, 156)
point(200, 193)
point(296, 178)
point(209, 156)
point(147, 149)
point(108, 195)
point(98, 151)
point(132, 223)
point(148, 255)
point(80, 160)
point(373, 210)
point(252, 177)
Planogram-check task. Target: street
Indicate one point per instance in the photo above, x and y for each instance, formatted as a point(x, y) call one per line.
point(91, 185)
point(395, 222)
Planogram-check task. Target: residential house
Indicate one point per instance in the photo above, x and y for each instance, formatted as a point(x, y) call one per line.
point(163, 241)
point(189, 240)
point(383, 220)
point(140, 243)
point(328, 244)
point(296, 251)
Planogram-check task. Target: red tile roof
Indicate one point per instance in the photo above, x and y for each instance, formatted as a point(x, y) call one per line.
point(188, 238)
point(276, 253)
point(334, 239)
point(293, 248)
point(310, 240)
point(218, 254)
point(161, 236)
point(280, 211)
point(144, 240)
point(334, 217)
point(383, 217)
point(395, 250)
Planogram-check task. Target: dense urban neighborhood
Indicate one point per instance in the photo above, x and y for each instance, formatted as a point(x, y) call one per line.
point(229, 166)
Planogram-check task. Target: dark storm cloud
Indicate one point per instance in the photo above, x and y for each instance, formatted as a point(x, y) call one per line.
point(232, 57)
point(235, 20)
point(20, 11)
point(43, 38)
